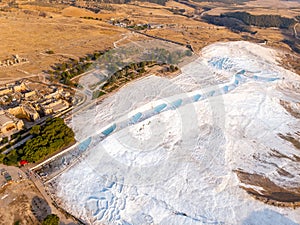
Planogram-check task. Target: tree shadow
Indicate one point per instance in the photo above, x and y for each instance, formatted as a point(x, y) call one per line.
point(40, 208)
point(267, 217)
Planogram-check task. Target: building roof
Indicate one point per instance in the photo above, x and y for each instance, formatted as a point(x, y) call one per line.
point(60, 106)
point(4, 119)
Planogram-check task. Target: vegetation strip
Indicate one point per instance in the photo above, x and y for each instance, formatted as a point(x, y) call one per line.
point(47, 139)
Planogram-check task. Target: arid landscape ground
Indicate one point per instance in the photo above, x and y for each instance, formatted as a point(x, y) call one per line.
point(30, 29)
point(46, 34)
point(21, 201)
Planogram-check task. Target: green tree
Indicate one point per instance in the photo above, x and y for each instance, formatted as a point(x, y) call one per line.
point(35, 130)
point(188, 53)
point(143, 64)
point(52, 136)
point(172, 68)
point(2, 156)
point(51, 219)
point(11, 158)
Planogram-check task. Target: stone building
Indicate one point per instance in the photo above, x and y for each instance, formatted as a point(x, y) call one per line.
point(5, 91)
point(29, 94)
point(9, 124)
point(19, 87)
point(25, 112)
point(55, 106)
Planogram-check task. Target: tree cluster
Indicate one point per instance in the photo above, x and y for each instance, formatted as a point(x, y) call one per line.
point(47, 139)
point(90, 18)
point(162, 55)
point(293, 45)
point(261, 20)
point(64, 72)
point(231, 23)
point(159, 2)
point(127, 73)
point(51, 219)
point(225, 1)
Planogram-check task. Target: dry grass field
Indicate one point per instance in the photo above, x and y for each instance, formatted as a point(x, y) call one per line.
point(31, 29)
point(176, 27)
point(198, 33)
point(19, 202)
point(22, 203)
point(29, 35)
point(258, 7)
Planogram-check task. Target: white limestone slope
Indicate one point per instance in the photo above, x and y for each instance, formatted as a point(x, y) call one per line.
point(176, 167)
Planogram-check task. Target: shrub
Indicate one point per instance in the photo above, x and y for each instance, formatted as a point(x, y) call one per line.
point(50, 52)
point(51, 219)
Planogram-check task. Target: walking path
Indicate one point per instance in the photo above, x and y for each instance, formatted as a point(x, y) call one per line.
point(295, 31)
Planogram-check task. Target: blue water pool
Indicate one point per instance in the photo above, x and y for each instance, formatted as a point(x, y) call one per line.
point(212, 93)
point(135, 118)
point(176, 103)
point(242, 72)
point(85, 144)
point(197, 97)
point(272, 79)
point(265, 79)
point(159, 108)
point(109, 130)
point(225, 88)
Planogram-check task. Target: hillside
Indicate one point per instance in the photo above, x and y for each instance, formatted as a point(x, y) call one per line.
point(187, 150)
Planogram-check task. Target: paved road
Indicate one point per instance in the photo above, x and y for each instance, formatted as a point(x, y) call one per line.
point(17, 144)
point(40, 186)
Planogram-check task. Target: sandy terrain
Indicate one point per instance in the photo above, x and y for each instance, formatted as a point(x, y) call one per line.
point(274, 4)
point(277, 7)
point(34, 28)
point(30, 35)
point(21, 201)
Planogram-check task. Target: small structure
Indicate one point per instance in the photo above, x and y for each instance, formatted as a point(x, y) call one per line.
point(155, 26)
point(9, 124)
point(19, 87)
point(4, 91)
point(23, 162)
point(55, 106)
point(29, 94)
point(14, 60)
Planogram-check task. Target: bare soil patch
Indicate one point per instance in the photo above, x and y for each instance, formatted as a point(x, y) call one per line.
point(271, 193)
point(30, 36)
point(35, 28)
point(22, 202)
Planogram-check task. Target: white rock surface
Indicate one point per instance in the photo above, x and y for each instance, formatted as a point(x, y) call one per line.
point(176, 167)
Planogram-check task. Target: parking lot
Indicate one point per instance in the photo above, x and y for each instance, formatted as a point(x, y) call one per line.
point(10, 174)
